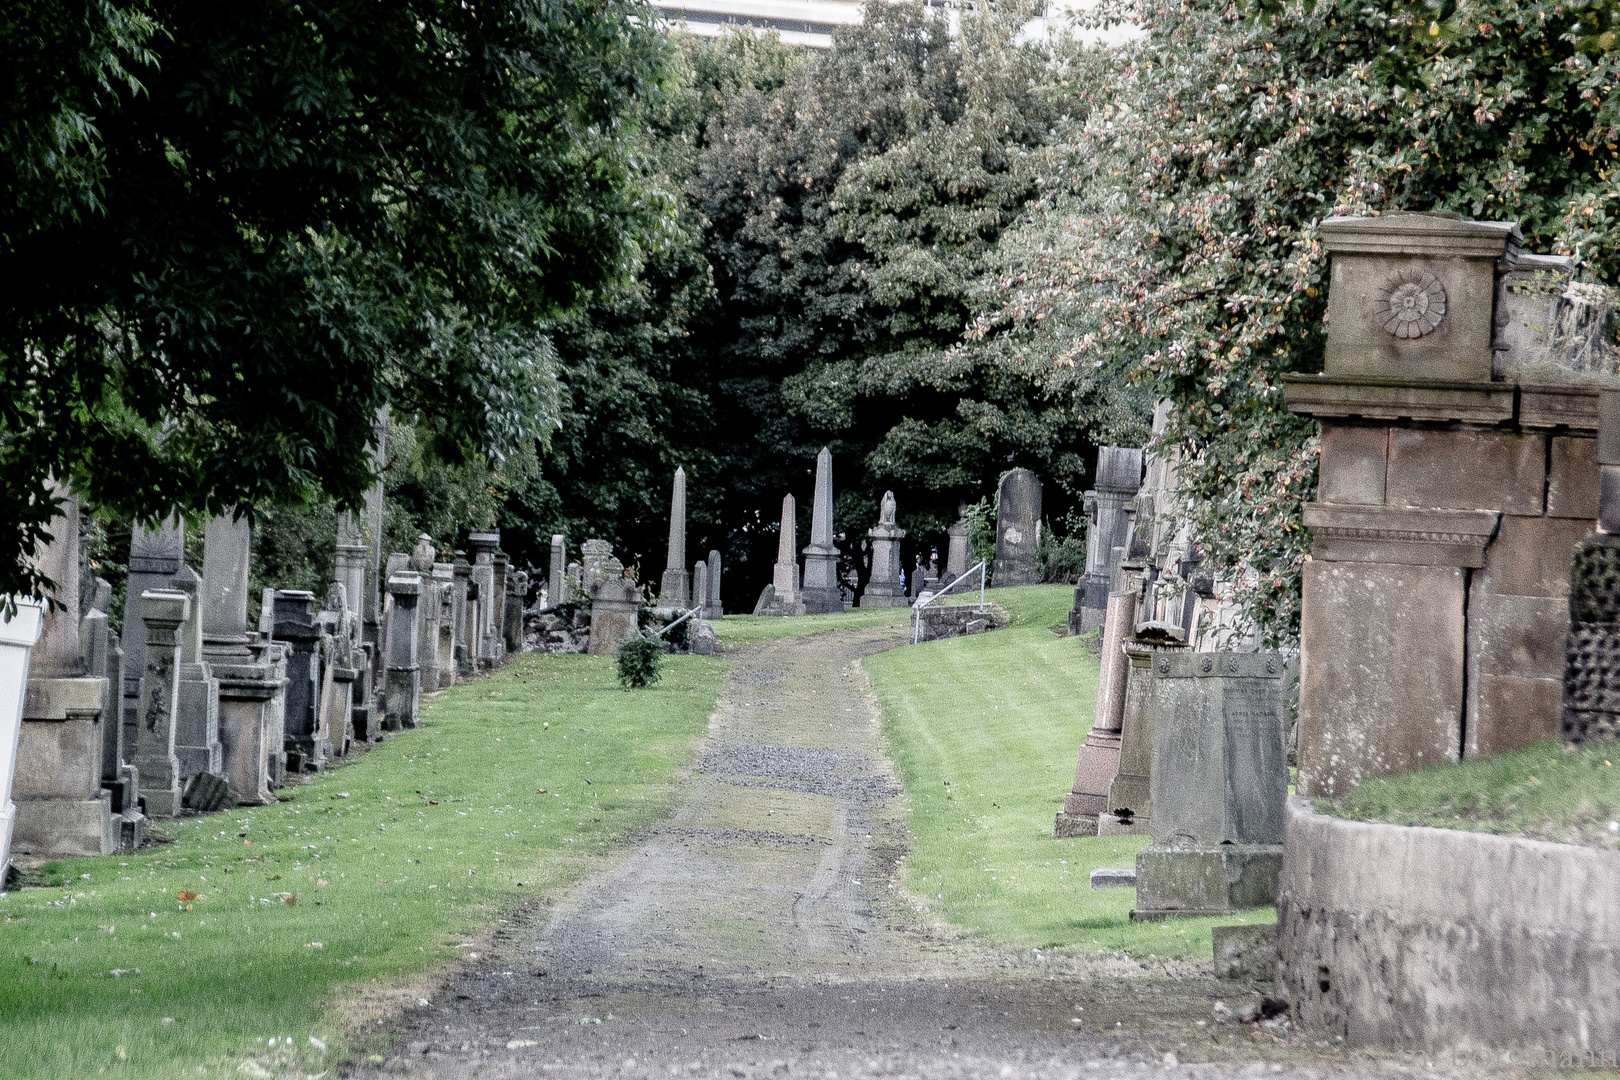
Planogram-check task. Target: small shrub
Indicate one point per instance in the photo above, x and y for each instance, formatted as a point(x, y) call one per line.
point(639, 658)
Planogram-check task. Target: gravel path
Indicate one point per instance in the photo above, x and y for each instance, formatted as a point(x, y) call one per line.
point(761, 932)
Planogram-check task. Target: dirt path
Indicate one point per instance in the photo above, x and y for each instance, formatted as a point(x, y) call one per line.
point(761, 932)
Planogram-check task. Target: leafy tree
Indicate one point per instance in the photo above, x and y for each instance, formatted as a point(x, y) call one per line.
point(1190, 259)
point(233, 233)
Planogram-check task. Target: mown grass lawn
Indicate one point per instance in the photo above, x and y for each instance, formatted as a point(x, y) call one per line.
point(252, 925)
point(984, 731)
point(1539, 791)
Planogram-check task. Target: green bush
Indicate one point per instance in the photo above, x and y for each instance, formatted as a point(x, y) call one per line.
point(639, 658)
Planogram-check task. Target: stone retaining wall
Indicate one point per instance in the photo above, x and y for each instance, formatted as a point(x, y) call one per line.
point(1433, 939)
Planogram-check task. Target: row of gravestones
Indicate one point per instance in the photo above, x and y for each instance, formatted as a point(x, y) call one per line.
point(189, 707)
point(817, 588)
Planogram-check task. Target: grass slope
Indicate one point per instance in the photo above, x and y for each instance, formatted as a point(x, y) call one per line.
point(738, 630)
point(369, 876)
point(1539, 791)
point(985, 730)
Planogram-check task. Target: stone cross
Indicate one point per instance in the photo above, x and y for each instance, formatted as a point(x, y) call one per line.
point(883, 589)
point(714, 609)
point(785, 576)
point(1018, 529)
point(822, 591)
point(673, 591)
point(163, 612)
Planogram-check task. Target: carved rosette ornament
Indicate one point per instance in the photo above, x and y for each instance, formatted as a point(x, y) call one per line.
point(1411, 304)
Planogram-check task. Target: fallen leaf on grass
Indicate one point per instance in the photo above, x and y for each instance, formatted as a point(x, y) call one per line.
point(186, 894)
point(291, 899)
point(542, 791)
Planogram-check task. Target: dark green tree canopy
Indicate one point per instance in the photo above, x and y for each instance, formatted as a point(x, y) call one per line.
point(233, 233)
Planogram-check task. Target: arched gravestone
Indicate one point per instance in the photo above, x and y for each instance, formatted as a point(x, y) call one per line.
point(1018, 529)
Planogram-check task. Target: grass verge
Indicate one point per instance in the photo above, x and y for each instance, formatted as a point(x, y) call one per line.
point(984, 731)
point(367, 878)
point(1538, 791)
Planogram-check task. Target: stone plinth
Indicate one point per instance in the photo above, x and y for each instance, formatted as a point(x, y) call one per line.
point(1018, 530)
point(248, 696)
point(615, 615)
point(883, 589)
point(61, 806)
point(297, 627)
point(404, 690)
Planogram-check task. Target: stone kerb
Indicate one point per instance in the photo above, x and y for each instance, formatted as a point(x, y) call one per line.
point(1433, 939)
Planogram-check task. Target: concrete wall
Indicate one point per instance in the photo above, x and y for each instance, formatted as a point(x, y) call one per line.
point(1433, 939)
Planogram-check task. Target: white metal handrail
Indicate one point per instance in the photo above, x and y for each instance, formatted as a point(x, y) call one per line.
point(916, 609)
point(678, 621)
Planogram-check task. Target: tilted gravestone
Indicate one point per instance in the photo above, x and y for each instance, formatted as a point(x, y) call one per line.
point(1018, 529)
point(1219, 784)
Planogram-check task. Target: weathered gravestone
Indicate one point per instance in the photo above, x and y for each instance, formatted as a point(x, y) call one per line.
point(1219, 784)
point(675, 590)
point(1018, 529)
point(1119, 477)
point(883, 589)
point(403, 691)
point(483, 545)
point(700, 586)
point(196, 735)
point(714, 610)
point(557, 583)
point(615, 609)
point(296, 626)
point(785, 598)
point(155, 556)
point(822, 592)
point(163, 613)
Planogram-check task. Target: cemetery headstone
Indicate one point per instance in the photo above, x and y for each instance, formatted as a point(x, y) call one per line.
point(1219, 784)
point(155, 556)
point(958, 554)
point(196, 735)
point(557, 583)
point(483, 545)
point(164, 612)
point(1018, 529)
point(444, 578)
point(673, 591)
point(785, 598)
point(297, 627)
point(615, 610)
point(517, 590)
point(822, 591)
point(404, 689)
point(463, 617)
point(715, 609)
point(883, 589)
point(700, 585)
point(1119, 477)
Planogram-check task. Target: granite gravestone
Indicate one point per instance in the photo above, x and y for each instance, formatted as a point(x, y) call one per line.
point(1219, 784)
point(403, 692)
point(164, 612)
point(1018, 529)
point(557, 584)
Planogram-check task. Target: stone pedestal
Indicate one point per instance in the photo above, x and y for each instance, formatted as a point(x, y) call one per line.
point(248, 694)
point(62, 808)
point(615, 615)
point(163, 613)
point(1219, 784)
point(884, 588)
point(296, 626)
point(404, 689)
point(1098, 761)
point(1018, 530)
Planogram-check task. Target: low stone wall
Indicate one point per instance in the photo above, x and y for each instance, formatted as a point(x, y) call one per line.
point(1435, 939)
point(955, 620)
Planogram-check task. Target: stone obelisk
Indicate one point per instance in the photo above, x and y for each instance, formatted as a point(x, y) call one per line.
point(673, 590)
point(785, 576)
point(821, 590)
